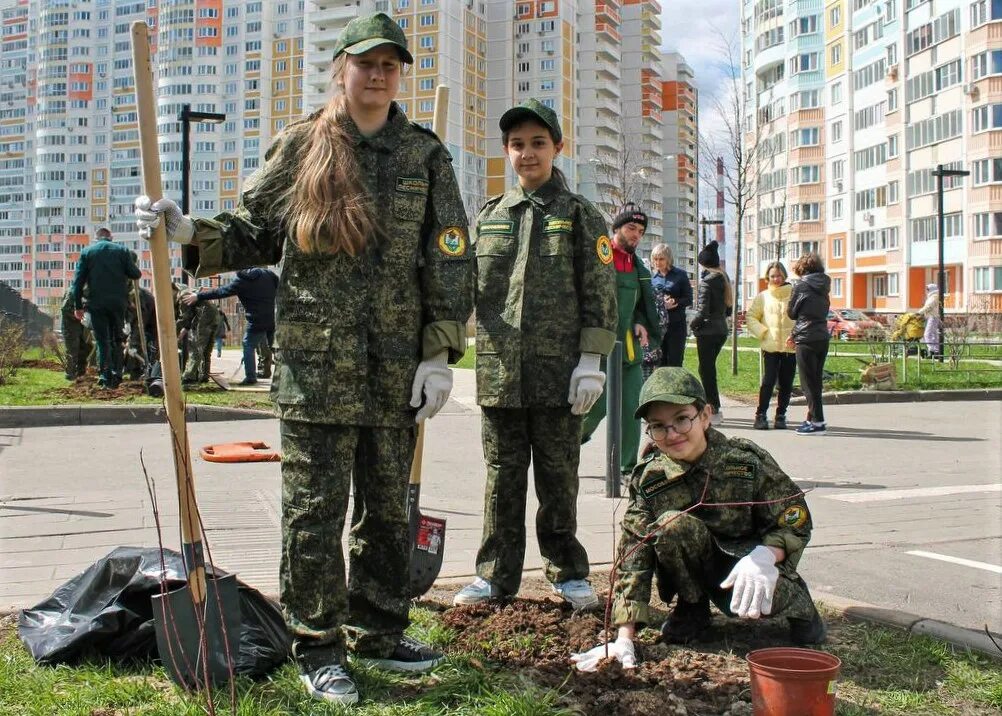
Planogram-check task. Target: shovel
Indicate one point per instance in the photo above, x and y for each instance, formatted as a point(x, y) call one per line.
point(427, 533)
point(198, 625)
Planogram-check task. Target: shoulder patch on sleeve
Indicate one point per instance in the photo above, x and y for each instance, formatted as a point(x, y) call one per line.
point(452, 241)
point(603, 248)
point(793, 517)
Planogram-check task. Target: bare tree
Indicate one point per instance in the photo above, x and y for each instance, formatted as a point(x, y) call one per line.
point(626, 177)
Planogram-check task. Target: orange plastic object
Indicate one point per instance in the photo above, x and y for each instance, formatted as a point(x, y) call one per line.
point(240, 452)
point(787, 681)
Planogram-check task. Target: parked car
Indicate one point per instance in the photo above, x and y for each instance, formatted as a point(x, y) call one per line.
point(849, 324)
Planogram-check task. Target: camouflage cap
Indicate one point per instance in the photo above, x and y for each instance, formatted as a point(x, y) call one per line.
point(369, 31)
point(532, 109)
point(670, 385)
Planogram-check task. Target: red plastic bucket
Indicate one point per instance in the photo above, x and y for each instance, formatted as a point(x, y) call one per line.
point(786, 681)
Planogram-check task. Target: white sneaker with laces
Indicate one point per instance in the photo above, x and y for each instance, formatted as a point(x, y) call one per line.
point(330, 683)
point(576, 592)
point(479, 590)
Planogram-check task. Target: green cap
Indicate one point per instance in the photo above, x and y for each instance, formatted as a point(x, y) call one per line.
point(535, 110)
point(669, 385)
point(368, 31)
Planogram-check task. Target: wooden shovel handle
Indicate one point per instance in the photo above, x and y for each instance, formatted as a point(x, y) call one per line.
point(191, 533)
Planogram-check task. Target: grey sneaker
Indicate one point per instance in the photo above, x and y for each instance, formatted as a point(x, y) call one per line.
point(330, 683)
point(479, 590)
point(576, 592)
point(410, 655)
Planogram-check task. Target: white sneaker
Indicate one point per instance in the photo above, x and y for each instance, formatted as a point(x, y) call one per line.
point(576, 592)
point(330, 683)
point(480, 590)
point(718, 418)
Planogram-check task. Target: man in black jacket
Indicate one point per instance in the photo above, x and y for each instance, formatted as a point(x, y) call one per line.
point(256, 289)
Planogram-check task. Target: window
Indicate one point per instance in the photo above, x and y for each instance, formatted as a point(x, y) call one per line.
point(835, 17)
point(426, 42)
point(988, 225)
point(987, 279)
point(892, 146)
point(924, 229)
point(805, 62)
point(427, 83)
point(426, 20)
point(987, 171)
point(836, 55)
point(836, 92)
point(426, 63)
point(880, 285)
point(986, 63)
point(807, 137)
point(547, 65)
point(426, 105)
point(810, 174)
point(837, 214)
point(837, 287)
point(983, 11)
point(893, 192)
point(837, 248)
point(987, 116)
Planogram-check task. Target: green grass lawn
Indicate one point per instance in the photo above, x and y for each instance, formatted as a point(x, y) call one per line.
point(884, 671)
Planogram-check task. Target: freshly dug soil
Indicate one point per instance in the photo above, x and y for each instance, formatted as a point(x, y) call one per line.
point(537, 633)
point(43, 363)
point(86, 389)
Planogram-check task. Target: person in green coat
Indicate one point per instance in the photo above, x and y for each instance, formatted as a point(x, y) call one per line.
point(638, 326)
point(105, 269)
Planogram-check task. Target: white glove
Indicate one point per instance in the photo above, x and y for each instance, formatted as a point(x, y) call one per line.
point(754, 580)
point(433, 378)
point(621, 650)
point(587, 382)
point(180, 228)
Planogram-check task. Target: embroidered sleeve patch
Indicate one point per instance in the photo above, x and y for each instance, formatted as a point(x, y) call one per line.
point(452, 241)
point(412, 185)
point(740, 470)
point(503, 228)
point(553, 225)
point(793, 517)
point(603, 248)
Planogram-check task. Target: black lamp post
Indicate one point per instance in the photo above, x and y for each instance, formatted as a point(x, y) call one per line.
point(940, 172)
point(704, 222)
point(186, 118)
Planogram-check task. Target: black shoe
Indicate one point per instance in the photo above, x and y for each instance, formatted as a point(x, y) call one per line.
point(687, 622)
point(410, 655)
point(761, 423)
point(330, 683)
point(248, 381)
point(808, 631)
point(70, 377)
point(779, 423)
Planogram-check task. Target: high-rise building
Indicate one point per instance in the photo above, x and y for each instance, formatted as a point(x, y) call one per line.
point(16, 176)
point(856, 103)
point(679, 106)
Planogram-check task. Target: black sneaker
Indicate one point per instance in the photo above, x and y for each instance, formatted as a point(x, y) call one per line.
point(808, 631)
point(330, 683)
point(687, 622)
point(761, 423)
point(410, 655)
point(779, 423)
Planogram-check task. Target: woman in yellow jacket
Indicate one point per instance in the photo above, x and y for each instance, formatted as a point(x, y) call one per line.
point(768, 321)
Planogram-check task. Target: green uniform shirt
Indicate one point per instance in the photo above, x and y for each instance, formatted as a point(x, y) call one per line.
point(545, 293)
point(105, 269)
point(635, 298)
point(350, 331)
point(739, 471)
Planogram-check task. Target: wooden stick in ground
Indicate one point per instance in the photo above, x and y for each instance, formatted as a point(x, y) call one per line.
point(140, 324)
point(191, 536)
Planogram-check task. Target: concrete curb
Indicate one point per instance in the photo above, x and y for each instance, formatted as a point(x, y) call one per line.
point(47, 416)
point(960, 637)
point(860, 397)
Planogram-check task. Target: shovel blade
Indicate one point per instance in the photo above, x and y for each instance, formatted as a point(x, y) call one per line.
point(427, 548)
point(179, 638)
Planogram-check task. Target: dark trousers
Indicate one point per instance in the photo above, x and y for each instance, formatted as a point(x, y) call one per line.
point(549, 438)
point(780, 367)
point(811, 364)
point(109, 335)
point(708, 348)
point(673, 345)
point(324, 613)
point(253, 339)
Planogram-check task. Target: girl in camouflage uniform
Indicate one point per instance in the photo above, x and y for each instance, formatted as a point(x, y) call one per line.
point(363, 209)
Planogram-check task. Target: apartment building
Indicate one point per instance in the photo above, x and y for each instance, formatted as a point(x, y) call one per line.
point(681, 146)
point(846, 162)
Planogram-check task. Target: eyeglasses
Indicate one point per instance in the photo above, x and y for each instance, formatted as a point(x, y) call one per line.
point(681, 425)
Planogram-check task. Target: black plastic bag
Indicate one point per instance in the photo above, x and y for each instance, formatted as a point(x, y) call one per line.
point(106, 611)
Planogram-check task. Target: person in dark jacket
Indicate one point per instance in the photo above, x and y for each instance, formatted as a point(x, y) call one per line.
point(809, 306)
point(710, 324)
point(256, 289)
point(673, 289)
point(104, 269)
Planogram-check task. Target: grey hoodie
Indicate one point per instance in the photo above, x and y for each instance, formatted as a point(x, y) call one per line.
point(809, 306)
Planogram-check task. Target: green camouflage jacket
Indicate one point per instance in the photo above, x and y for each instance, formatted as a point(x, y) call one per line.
point(350, 331)
point(739, 471)
point(546, 292)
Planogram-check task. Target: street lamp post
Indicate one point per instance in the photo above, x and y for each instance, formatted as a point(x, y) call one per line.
point(940, 172)
point(186, 117)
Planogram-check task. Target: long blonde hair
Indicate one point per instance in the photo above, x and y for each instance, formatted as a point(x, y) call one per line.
point(329, 209)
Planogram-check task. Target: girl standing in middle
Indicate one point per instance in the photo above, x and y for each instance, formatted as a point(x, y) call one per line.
point(767, 321)
point(546, 314)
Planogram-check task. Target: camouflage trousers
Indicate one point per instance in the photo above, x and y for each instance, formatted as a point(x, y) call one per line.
point(692, 565)
point(633, 380)
point(78, 344)
point(200, 340)
point(550, 437)
point(325, 615)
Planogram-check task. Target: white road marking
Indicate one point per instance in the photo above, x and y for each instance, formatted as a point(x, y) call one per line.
point(908, 493)
point(958, 560)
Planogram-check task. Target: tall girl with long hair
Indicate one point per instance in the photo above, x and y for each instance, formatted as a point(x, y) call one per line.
point(363, 210)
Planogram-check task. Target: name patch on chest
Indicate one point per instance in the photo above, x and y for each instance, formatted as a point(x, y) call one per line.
point(412, 185)
point(553, 225)
point(740, 470)
point(656, 486)
point(496, 227)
